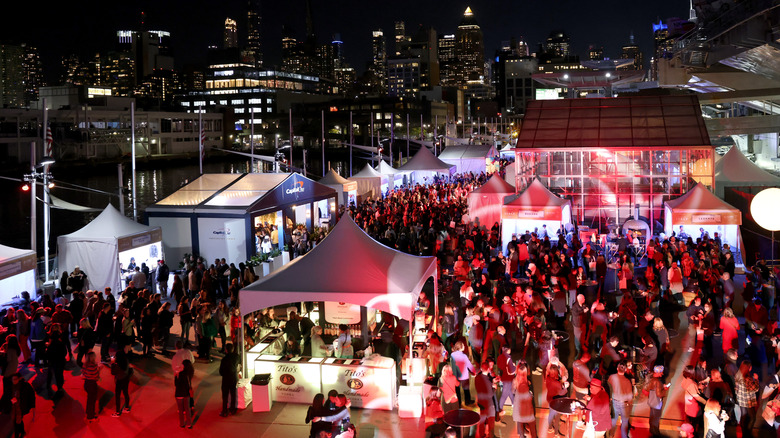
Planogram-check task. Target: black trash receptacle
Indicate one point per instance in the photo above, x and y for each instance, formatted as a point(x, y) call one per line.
point(261, 393)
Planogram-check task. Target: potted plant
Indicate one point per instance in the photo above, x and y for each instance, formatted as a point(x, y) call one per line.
point(259, 264)
point(276, 260)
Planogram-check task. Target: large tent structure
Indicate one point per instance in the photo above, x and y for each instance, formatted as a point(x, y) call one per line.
point(346, 189)
point(369, 183)
point(701, 209)
point(218, 215)
point(485, 202)
point(17, 272)
point(103, 246)
point(348, 266)
point(735, 170)
point(469, 158)
point(533, 209)
point(391, 173)
point(423, 166)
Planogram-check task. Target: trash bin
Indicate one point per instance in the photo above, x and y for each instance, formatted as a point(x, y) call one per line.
point(261, 393)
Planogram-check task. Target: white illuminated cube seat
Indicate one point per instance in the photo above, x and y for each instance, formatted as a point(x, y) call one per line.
point(410, 402)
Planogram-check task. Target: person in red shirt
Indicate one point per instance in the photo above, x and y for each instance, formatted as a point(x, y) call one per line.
point(598, 405)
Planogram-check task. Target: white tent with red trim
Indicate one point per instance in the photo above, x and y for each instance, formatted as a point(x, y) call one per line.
point(533, 209)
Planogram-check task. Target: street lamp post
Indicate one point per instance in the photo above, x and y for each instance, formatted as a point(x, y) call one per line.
point(763, 208)
point(40, 171)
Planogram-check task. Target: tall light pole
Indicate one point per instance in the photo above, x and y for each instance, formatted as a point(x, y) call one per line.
point(763, 208)
point(39, 171)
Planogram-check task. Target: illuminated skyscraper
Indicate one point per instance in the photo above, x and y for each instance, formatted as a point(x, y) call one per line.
point(230, 34)
point(253, 50)
point(469, 50)
point(379, 61)
point(557, 44)
point(447, 60)
point(631, 51)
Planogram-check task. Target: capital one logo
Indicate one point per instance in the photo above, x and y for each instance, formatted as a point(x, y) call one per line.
point(297, 188)
point(223, 231)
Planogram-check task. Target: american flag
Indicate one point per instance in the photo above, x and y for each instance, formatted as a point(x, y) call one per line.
point(202, 143)
point(49, 142)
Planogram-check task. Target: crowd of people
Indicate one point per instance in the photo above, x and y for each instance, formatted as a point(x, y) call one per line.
point(504, 314)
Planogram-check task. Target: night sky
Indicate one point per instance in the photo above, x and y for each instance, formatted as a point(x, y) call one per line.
point(87, 27)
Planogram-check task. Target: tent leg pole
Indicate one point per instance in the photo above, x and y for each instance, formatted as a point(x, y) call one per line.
point(243, 347)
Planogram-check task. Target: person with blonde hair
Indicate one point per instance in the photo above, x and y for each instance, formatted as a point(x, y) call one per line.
point(449, 389)
point(714, 419)
point(523, 412)
point(729, 324)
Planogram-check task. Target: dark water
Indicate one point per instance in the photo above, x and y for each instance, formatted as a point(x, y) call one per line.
point(153, 183)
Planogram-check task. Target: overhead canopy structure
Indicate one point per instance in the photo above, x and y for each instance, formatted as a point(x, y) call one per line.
point(735, 170)
point(469, 158)
point(346, 189)
point(217, 215)
point(350, 267)
point(110, 239)
point(535, 208)
point(17, 272)
point(486, 202)
point(701, 209)
point(423, 166)
point(369, 183)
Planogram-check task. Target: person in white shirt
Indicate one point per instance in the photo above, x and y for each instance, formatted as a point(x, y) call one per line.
point(182, 354)
point(714, 420)
point(464, 371)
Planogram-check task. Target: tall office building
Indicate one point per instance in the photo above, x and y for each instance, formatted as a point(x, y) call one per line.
point(447, 60)
point(400, 38)
point(149, 49)
point(469, 50)
point(665, 36)
point(33, 74)
point(631, 51)
point(595, 53)
point(230, 34)
point(291, 51)
point(337, 51)
point(253, 51)
point(11, 76)
point(557, 45)
point(379, 57)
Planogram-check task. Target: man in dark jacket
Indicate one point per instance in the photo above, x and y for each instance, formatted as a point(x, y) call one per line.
point(229, 369)
point(19, 402)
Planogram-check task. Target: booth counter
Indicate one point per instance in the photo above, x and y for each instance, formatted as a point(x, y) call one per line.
point(296, 380)
point(369, 383)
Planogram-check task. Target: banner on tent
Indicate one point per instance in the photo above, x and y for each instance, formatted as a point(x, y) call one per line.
point(725, 218)
point(350, 186)
point(341, 313)
point(17, 266)
point(538, 213)
point(139, 240)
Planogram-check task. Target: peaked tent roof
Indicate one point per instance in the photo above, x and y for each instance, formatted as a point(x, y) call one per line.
point(367, 172)
point(332, 178)
point(734, 167)
point(378, 276)
point(698, 199)
point(110, 224)
point(386, 169)
point(14, 261)
point(536, 195)
point(495, 185)
point(467, 151)
point(425, 160)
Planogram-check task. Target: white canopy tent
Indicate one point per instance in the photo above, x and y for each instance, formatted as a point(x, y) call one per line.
point(700, 208)
point(369, 183)
point(348, 266)
point(391, 173)
point(108, 241)
point(469, 158)
point(17, 272)
point(423, 166)
point(735, 170)
point(533, 209)
point(346, 189)
point(486, 202)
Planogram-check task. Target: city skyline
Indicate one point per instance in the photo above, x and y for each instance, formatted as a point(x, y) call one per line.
point(60, 31)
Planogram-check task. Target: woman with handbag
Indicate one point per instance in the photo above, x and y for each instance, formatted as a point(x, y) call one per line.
point(183, 392)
